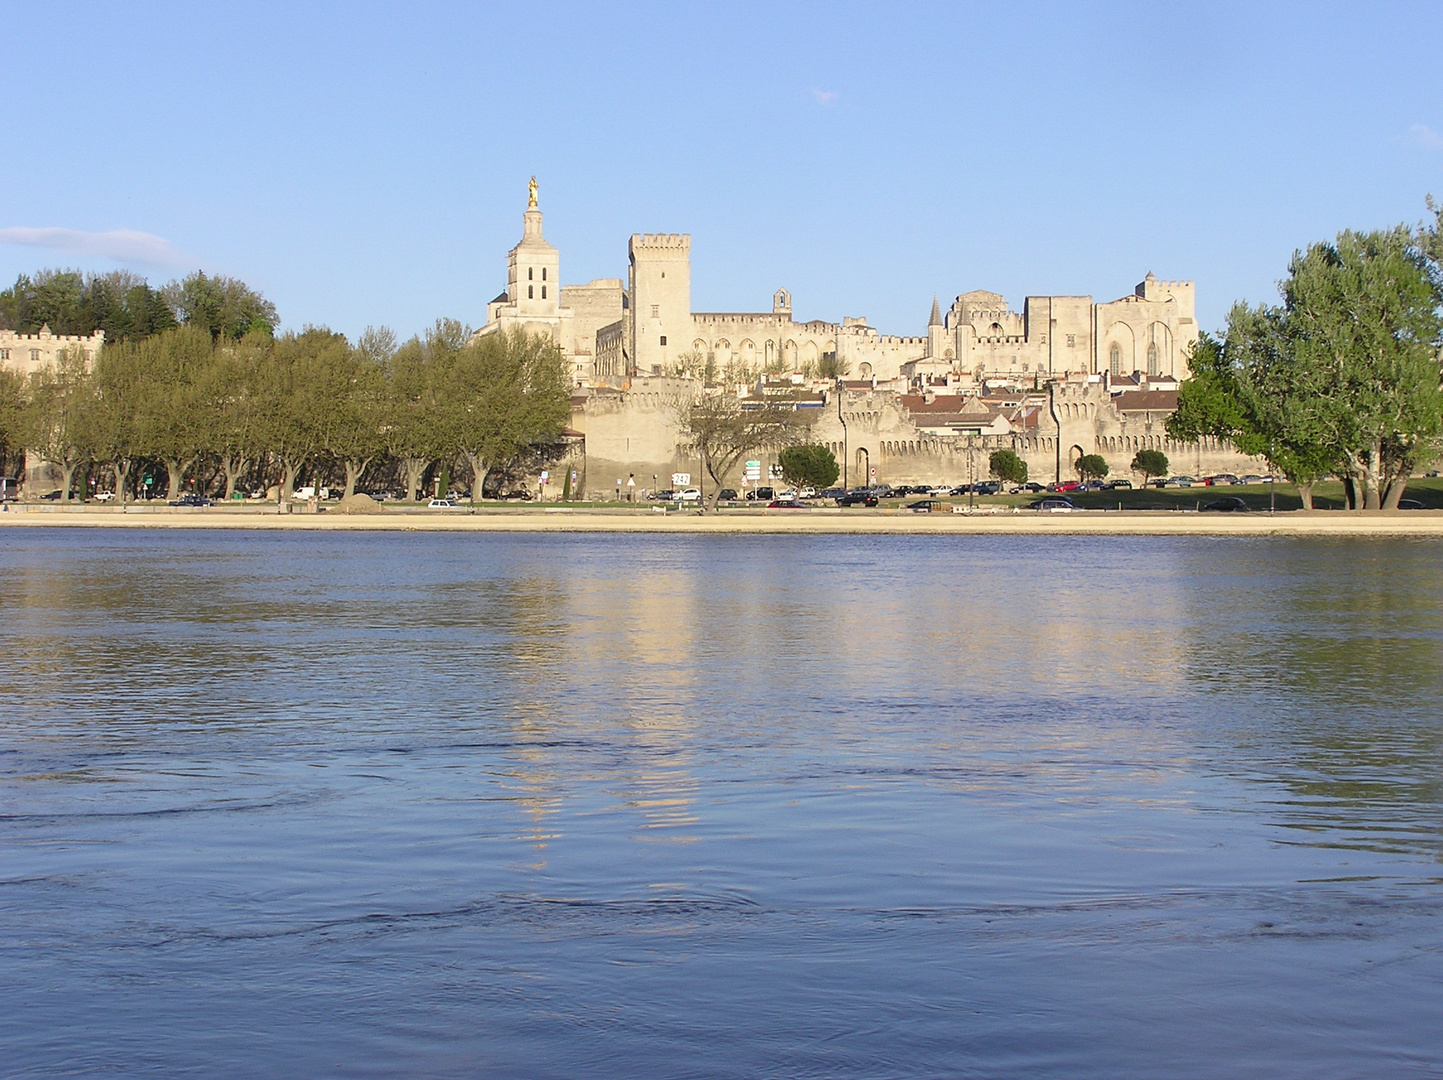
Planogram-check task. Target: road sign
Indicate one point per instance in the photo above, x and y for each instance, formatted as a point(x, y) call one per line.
point(545, 476)
point(754, 470)
point(873, 473)
point(681, 479)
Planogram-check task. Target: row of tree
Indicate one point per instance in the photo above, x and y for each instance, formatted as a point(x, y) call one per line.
point(1342, 378)
point(267, 409)
point(127, 308)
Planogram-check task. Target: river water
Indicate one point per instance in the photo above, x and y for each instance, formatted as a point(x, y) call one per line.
point(414, 805)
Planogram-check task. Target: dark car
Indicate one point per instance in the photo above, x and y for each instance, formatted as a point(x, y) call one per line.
point(927, 506)
point(1232, 504)
point(831, 493)
point(1052, 502)
point(762, 494)
point(859, 497)
point(667, 495)
point(726, 495)
point(52, 496)
point(988, 487)
point(1409, 504)
point(1030, 486)
point(191, 500)
point(1118, 485)
point(786, 504)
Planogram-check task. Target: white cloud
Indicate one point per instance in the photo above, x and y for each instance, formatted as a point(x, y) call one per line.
point(824, 97)
point(122, 245)
point(1424, 136)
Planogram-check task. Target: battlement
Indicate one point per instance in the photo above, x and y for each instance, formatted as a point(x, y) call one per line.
point(679, 242)
point(9, 337)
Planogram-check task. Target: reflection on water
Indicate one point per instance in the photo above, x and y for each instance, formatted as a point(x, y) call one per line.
point(740, 806)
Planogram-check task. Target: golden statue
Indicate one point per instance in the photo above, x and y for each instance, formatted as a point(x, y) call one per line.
point(532, 204)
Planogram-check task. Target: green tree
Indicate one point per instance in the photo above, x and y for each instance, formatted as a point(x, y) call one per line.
point(722, 430)
point(1150, 463)
point(1005, 465)
point(809, 465)
point(222, 306)
point(1090, 467)
point(295, 406)
point(1342, 377)
point(12, 412)
point(116, 411)
point(508, 392)
point(172, 425)
point(56, 426)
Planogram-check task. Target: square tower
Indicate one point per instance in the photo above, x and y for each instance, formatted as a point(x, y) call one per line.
point(659, 290)
point(533, 271)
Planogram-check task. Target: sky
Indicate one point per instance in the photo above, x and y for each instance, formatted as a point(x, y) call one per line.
point(366, 164)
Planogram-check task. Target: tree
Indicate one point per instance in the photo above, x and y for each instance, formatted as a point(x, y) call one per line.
point(118, 302)
point(1005, 465)
point(57, 415)
point(1343, 377)
point(723, 430)
point(809, 465)
point(1150, 463)
point(222, 306)
point(508, 391)
point(12, 412)
point(1091, 467)
point(296, 408)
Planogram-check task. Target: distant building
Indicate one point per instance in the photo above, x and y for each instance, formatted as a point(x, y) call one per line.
point(27, 353)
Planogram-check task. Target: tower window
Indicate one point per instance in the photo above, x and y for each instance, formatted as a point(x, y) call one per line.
point(1114, 359)
point(530, 273)
point(543, 288)
point(656, 311)
point(543, 273)
point(663, 339)
point(531, 292)
point(1152, 359)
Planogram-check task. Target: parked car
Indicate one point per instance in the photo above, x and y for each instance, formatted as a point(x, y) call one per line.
point(762, 494)
point(103, 496)
point(1093, 485)
point(689, 495)
point(1118, 485)
point(726, 495)
point(191, 500)
point(1053, 503)
point(443, 504)
point(831, 493)
point(1251, 478)
point(1030, 487)
point(1065, 485)
point(1221, 480)
point(786, 504)
point(1231, 505)
point(988, 487)
point(52, 496)
point(858, 497)
point(927, 506)
point(1409, 504)
point(520, 494)
point(1180, 481)
point(664, 495)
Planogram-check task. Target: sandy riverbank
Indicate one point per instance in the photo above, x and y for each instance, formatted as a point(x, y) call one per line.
point(538, 519)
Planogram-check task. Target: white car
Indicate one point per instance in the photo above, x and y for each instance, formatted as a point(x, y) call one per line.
point(692, 495)
point(442, 504)
point(103, 496)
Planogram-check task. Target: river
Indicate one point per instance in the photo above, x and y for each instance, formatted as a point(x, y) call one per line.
point(412, 805)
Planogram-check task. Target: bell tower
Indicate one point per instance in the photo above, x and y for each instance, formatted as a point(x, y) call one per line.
point(533, 278)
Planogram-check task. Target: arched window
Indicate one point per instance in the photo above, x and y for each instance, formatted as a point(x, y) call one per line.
point(531, 292)
point(1152, 358)
point(543, 288)
point(543, 273)
point(1114, 359)
point(530, 273)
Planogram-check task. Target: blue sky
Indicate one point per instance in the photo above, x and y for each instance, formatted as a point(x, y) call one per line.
point(367, 163)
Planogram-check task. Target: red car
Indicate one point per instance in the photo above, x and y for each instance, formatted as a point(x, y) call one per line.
point(786, 504)
point(1065, 485)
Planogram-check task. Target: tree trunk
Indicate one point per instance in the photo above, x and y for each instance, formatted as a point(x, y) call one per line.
point(1394, 492)
point(414, 468)
point(1350, 493)
point(354, 469)
point(67, 473)
point(234, 467)
point(479, 468)
point(1305, 492)
point(122, 477)
point(289, 469)
point(1372, 499)
point(172, 479)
